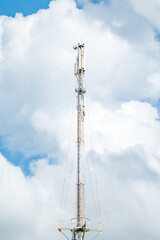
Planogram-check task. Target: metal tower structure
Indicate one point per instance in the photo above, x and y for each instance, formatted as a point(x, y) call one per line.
point(79, 71)
point(80, 224)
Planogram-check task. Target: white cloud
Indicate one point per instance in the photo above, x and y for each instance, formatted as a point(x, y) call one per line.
point(36, 98)
point(150, 9)
point(18, 213)
point(36, 71)
point(130, 202)
point(131, 197)
point(29, 205)
point(127, 126)
point(154, 85)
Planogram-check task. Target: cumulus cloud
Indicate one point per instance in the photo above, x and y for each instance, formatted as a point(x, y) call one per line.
point(29, 205)
point(149, 9)
point(36, 99)
point(127, 126)
point(37, 76)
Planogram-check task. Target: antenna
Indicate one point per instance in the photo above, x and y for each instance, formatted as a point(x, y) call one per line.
point(80, 224)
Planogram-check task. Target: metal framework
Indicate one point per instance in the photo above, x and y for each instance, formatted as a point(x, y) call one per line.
point(80, 225)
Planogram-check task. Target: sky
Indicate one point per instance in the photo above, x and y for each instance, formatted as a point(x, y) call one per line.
point(11, 7)
point(38, 114)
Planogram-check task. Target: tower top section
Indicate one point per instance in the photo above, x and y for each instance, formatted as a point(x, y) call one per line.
point(79, 67)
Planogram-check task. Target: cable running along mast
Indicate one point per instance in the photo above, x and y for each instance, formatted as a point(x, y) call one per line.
point(80, 224)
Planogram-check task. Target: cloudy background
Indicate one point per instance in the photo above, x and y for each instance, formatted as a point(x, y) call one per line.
point(122, 40)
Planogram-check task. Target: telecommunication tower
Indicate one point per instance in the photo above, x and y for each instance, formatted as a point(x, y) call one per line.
point(80, 224)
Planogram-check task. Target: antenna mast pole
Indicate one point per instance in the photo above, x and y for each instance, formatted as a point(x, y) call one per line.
point(79, 72)
point(80, 224)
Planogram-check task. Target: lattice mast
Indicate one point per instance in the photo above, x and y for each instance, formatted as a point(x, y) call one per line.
point(80, 224)
point(79, 72)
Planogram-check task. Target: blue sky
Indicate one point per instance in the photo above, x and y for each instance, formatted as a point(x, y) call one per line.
point(18, 159)
point(81, 3)
point(27, 7)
